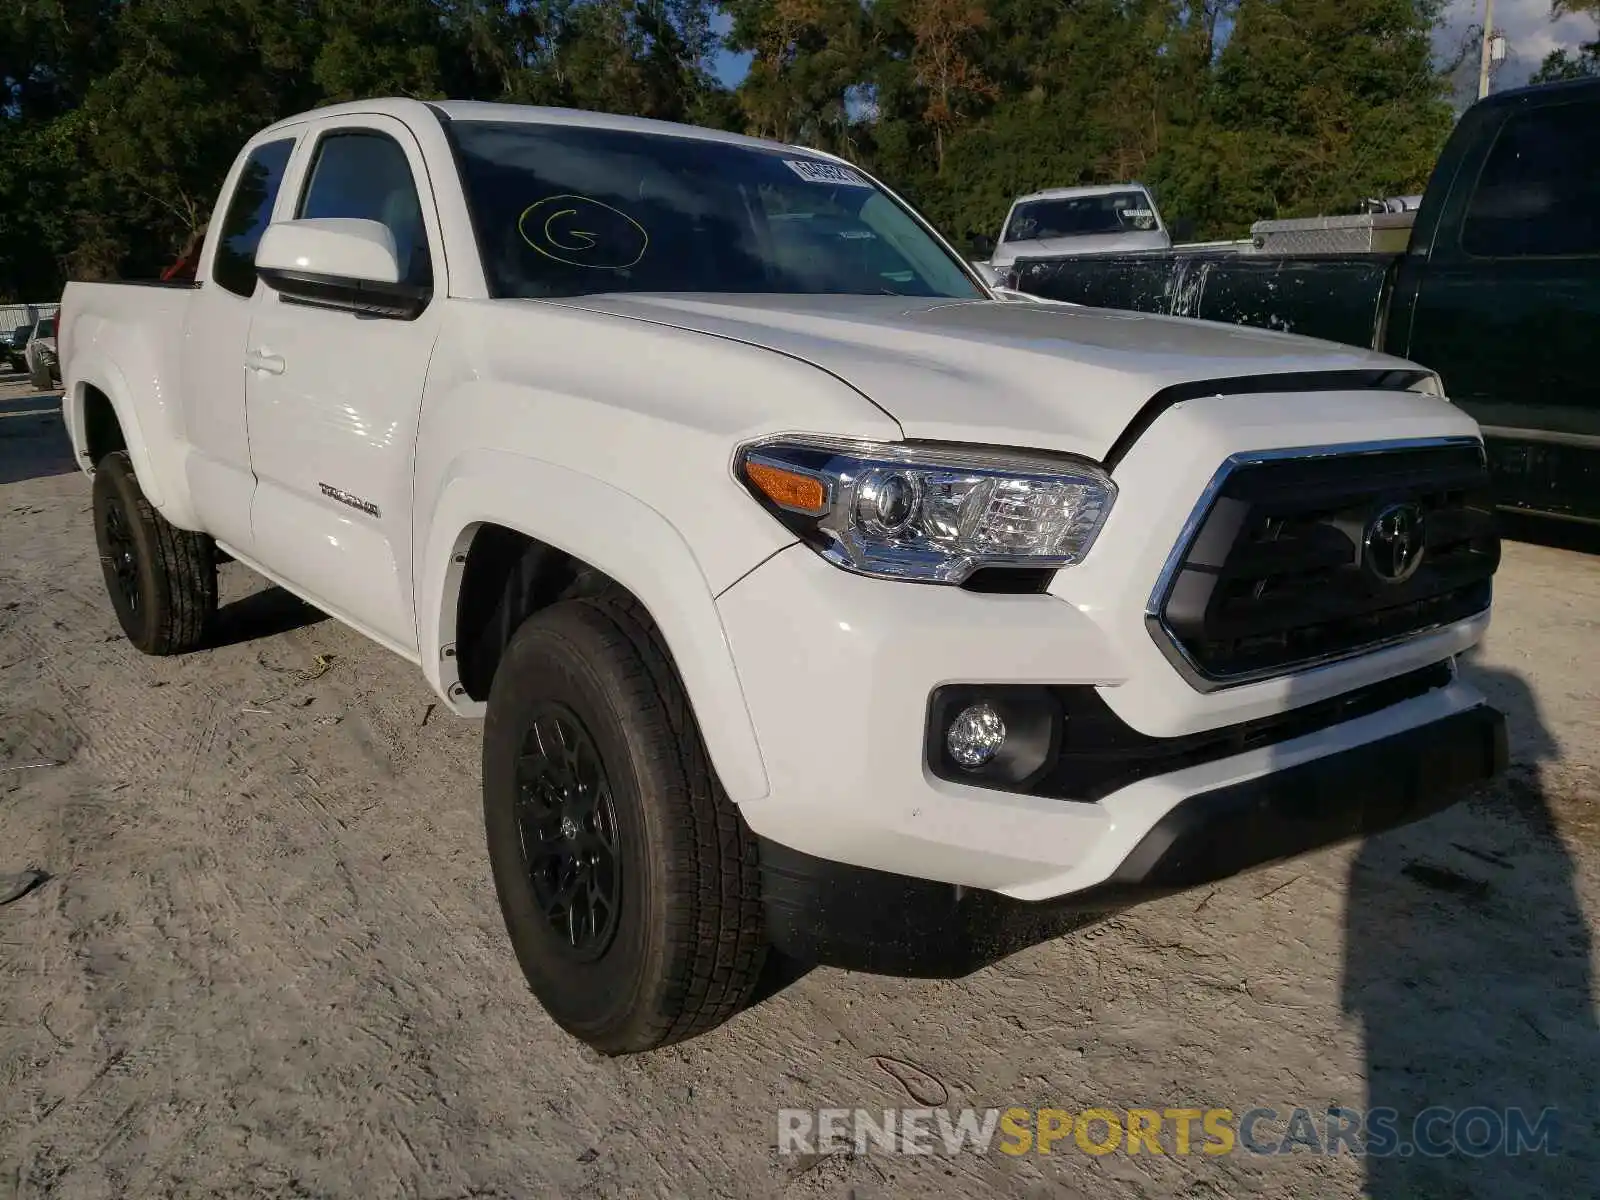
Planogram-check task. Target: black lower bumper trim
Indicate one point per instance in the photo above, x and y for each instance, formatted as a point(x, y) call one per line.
point(853, 917)
point(1372, 787)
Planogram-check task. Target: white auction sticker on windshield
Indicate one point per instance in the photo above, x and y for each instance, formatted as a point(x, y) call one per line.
point(813, 171)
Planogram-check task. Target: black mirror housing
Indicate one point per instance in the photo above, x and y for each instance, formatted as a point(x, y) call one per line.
point(366, 297)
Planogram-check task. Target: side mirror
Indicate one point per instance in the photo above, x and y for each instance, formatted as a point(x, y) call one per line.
point(1183, 229)
point(982, 245)
point(343, 263)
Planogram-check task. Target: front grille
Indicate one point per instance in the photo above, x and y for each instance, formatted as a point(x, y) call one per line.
point(1286, 567)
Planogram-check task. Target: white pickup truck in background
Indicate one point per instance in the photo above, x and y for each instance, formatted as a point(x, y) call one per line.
point(1115, 218)
point(39, 354)
point(815, 599)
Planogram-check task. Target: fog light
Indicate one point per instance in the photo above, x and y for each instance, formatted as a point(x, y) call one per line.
point(975, 736)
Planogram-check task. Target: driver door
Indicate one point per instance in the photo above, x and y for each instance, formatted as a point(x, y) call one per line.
point(333, 396)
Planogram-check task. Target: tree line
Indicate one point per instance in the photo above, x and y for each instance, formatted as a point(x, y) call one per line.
point(119, 118)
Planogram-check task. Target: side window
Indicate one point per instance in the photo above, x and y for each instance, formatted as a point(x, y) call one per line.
point(1539, 192)
point(249, 212)
point(364, 174)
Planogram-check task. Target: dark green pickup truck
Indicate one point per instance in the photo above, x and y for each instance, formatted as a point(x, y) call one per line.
point(1499, 290)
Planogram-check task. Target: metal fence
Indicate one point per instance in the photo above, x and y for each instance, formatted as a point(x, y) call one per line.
point(13, 315)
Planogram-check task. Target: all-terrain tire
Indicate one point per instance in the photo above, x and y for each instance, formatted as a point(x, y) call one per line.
point(162, 580)
point(688, 941)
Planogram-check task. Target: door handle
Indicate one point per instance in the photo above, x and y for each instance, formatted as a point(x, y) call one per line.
point(260, 360)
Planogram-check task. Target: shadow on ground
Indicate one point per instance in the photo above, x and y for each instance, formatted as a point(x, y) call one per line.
point(262, 614)
point(33, 440)
point(1467, 961)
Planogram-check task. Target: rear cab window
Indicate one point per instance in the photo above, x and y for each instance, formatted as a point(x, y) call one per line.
point(1538, 195)
point(249, 212)
point(1128, 211)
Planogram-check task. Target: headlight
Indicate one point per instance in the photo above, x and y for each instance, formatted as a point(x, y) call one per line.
point(926, 512)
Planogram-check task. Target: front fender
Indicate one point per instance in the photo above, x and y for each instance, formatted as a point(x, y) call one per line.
point(615, 533)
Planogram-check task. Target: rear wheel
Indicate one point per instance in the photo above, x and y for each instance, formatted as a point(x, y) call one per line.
point(627, 879)
point(162, 580)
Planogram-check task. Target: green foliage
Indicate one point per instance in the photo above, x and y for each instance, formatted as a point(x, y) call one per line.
point(808, 56)
point(1233, 109)
point(1314, 104)
point(123, 115)
point(1561, 65)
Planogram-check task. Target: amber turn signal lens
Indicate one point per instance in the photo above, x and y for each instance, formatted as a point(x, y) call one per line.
point(788, 489)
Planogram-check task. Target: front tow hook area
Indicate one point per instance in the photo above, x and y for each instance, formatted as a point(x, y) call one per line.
point(828, 913)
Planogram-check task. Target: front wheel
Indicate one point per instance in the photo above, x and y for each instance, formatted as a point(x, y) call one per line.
point(627, 879)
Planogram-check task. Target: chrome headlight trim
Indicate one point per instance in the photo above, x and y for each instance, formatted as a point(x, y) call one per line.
point(932, 512)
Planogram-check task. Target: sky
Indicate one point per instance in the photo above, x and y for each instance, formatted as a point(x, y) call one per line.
point(1530, 35)
point(728, 67)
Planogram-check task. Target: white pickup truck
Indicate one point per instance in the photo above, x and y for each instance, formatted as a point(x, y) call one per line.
point(815, 599)
point(1106, 219)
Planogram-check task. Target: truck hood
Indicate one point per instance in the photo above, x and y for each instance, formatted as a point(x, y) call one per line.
point(1051, 377)
point(1084, 243)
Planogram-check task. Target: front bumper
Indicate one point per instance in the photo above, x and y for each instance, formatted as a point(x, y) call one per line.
point(837, 671)
point(824, 912)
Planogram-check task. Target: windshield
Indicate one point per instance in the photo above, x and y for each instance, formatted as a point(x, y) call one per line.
point(1075, 216)
point(569, 211)
point(47, 328)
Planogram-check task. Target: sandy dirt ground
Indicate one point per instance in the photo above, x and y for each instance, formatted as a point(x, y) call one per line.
point(268, 960)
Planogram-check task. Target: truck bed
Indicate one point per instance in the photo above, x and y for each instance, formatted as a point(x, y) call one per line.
point(1337, 297)
point(139, 327)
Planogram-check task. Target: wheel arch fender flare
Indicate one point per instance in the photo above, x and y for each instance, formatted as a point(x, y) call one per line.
point(611, 531)
point(95, 370)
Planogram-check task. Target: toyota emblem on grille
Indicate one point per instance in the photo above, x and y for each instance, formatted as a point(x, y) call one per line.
point(1393, 543)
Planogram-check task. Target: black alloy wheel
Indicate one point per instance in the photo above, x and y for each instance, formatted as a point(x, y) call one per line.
point(569, 831)
point(122, 561)
point(629, 883)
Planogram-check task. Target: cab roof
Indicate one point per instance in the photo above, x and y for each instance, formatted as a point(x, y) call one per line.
point(1097, 189)
point(531, 114)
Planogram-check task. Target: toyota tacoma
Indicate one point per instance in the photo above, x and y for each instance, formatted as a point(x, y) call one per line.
point(815, 599)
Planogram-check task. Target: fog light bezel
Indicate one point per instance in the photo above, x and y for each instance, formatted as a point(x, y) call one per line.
point(1033, 720)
